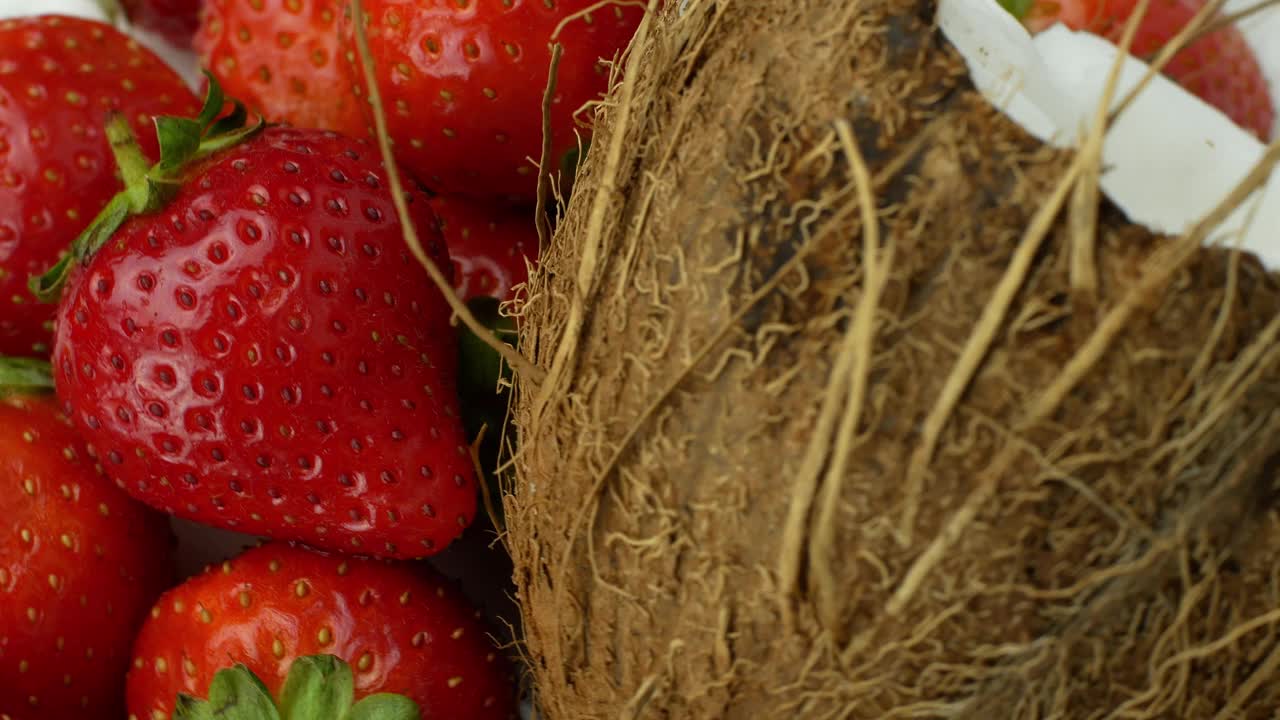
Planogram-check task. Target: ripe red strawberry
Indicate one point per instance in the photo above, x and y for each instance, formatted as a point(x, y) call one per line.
point(58, 75)
point(80, 563)
point(400, 629)
point(281, 58)
point(489, 244)
point(174, 20)
point(262, 353)
point(1219, 68)
point(463, 82)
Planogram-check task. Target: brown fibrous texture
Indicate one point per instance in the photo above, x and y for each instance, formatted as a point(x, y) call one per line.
point(907, 443)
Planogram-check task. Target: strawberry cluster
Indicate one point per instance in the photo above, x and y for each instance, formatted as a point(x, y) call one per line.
point(214, 313)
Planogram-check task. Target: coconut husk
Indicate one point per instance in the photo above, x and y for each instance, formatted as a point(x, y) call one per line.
point(846, 417)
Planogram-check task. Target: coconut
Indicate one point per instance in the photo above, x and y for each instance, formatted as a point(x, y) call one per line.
point(859, 403)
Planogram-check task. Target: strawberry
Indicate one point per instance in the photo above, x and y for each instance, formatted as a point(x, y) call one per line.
point(462, 82)
point(490, 245)
point(400, 627)
point(58, 75)
point(258, 351)
point(80, 562)
point(174, 20)
point(1219, 68)
point(281, 58)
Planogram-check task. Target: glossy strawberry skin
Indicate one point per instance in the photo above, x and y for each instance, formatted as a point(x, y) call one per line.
point(264, 355)
point(58, 76)
point(80, 564)
point(463, 84)
point(174, 20)
point(401, 628)
point(281, 58)
point(490, 244)
point(1219, 68)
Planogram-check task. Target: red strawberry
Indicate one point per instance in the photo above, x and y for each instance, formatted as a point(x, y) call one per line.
point(262, 353)
point(400, 629)
point(281, 58)
point(1219, 68)
point(489, 245)
point(463, 82)
point(175, 20)
point(58, 75)
point(80, 563)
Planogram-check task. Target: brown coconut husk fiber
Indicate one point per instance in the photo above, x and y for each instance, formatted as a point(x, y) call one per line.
point(845, 416)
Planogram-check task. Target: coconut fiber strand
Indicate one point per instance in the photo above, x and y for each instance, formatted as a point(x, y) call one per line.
point(844, 418)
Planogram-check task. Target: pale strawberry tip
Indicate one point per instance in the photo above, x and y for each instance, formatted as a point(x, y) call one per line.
point(318, 687)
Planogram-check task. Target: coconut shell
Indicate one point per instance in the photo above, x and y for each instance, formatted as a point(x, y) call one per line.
point(818, 443)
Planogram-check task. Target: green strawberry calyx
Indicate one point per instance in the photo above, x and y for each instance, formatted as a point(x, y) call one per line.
point(480, 366)
point(318, 687)
point(1017, 8)
point(24, 376)
point(148, 188)
point(112, 9)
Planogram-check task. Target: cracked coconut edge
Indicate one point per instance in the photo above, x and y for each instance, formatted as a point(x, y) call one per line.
point(1170, 158)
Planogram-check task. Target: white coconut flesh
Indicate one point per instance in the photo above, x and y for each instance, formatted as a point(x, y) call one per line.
point(1169, 159)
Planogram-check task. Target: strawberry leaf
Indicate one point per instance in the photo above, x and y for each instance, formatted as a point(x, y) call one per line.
point(485, 397)
point(385, 706)
point(47, 288)
point(25, 375)
point(183, 141)
point(237, 694)
point(228, 133)
point(189, 708)
point(179, 142)
point(110, 8)
point(214, 100)
point(1017, 8)
point(318, 686)
point(480, 366)
point(233, 122)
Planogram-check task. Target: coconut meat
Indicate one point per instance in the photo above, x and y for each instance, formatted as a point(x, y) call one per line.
point(1168, 160)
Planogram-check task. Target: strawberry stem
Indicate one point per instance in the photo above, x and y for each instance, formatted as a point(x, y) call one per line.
point(128, 154)
point(148, 188)
point(24, 376)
